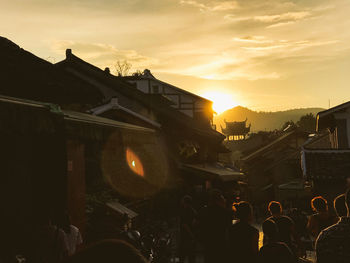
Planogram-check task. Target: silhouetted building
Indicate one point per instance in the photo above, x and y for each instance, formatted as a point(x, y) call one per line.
point(326, 155)
point(192, 105)
point(43, 165)
point(24, 75)
point(186, 130)
point(236, 130)
point(274, 164)
point(174, 136)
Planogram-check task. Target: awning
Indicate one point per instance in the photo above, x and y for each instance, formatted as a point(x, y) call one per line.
point(120, 209)
point(296, 185)
point(266, 188)
point(28, 117)
point(89, 126)
point(215, 171)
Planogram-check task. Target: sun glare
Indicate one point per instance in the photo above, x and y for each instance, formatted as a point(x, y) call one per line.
point(134, 162)
point(221, 101)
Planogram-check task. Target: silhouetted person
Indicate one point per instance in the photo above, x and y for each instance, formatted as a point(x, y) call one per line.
point(322, 218)
point(72, 235)
point(50, 245)
point(243, 237)
point(300, 220)
point(274, 251)
point(340, 206)
point(187, 238)
point(214, 221)
point(286, 228)
point(333, 243)
point(108, 251)
point(347, 182)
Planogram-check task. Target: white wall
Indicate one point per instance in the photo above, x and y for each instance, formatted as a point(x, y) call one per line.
point(182, 100)
point(142, 85)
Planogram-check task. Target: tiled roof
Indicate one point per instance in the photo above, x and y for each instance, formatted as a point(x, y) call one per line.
point(215, 171)
point(24, 75)
point(167, 114)
point(266, 148)
point(318, 141)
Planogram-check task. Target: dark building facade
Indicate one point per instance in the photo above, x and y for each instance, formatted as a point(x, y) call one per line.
point(275, 164)
point(326, 156)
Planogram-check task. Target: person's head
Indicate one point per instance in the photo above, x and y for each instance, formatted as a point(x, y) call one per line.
point(275, 208)
point(243, 211)
point(340, 206)
point(347, 181)
point(186, 201)
point(216, 198)
point(270, 229)
point(319, 204)
point(347, 201)
point(110, 250)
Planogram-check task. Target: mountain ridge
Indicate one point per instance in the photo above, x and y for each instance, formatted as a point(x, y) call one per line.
point(262, 120)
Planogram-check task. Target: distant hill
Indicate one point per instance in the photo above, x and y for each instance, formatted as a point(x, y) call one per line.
point(262, 121)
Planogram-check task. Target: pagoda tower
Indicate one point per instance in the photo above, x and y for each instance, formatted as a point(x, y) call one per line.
point(236, 130)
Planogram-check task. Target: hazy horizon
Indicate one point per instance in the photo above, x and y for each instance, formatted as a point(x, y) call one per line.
point(262, 111)
point(265, 55)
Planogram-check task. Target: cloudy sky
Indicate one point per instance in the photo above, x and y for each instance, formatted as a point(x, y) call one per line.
point(263, 54)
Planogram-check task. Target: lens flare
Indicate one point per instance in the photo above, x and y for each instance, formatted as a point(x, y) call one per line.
point(134, 162)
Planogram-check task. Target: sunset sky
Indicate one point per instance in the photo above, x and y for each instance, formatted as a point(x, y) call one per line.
point(264, 54)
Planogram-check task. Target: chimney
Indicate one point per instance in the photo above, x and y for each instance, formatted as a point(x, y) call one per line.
point(147, 73)
point(107, 70)
point(68, 52)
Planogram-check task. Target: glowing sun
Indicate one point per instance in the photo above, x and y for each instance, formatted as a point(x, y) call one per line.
point(221, 101)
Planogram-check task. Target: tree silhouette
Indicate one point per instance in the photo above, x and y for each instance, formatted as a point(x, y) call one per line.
point(307, 123)
point(289, 124)
point(122, 68)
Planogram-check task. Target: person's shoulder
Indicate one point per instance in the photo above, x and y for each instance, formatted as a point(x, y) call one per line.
point(254, 229)
point(287, 219)
point(271, 218)
point(326, 233)
point(74, 228)
point(283, 246)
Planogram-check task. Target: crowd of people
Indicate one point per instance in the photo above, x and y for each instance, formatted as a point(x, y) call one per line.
point(224, 233)
point(229, 235)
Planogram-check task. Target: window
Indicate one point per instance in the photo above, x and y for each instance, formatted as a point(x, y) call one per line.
point(155, 89)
